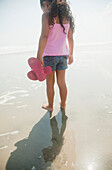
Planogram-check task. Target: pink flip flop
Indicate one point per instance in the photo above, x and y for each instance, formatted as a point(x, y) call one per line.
point(37, 71)
point(31, 75)
point(47, 70)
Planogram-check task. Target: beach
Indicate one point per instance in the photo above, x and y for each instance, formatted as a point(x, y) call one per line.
point(79, 138)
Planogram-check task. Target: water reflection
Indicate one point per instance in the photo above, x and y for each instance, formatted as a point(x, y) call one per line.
point(51, 152)
point(41, 147)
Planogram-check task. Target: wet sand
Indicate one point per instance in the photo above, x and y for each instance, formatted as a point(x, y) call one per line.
point(79, 138)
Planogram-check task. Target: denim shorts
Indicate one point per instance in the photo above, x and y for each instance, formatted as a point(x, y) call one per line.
point(56, 62)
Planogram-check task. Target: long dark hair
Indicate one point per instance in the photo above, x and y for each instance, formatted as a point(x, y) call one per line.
point(62, 10)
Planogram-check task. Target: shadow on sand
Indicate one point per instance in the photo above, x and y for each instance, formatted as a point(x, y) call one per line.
point(43, 144)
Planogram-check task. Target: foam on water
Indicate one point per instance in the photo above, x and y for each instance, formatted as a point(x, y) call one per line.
point(9, 133)
point(7, 96)
point(3, 147)
point(22, 106)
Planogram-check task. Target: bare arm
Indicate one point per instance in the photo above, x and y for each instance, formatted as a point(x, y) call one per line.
point(71, 45)
point(43, 36)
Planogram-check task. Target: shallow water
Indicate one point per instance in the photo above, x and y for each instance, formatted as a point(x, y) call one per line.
point(81, 140)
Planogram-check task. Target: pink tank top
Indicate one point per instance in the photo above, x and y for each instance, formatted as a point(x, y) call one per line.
point(57, 41)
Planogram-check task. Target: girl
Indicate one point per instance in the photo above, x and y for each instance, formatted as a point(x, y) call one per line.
point(57, 26)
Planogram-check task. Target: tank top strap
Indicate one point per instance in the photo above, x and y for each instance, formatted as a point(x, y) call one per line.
point(54, 20)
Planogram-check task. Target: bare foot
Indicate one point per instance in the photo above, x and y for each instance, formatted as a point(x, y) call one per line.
point(47, 107)
point(62, 106)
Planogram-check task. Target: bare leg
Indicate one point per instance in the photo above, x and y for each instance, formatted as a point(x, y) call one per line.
point(62, 87)
point(50, 80)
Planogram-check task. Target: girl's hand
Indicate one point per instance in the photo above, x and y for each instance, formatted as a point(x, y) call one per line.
point(41, 60)
point(70, 59)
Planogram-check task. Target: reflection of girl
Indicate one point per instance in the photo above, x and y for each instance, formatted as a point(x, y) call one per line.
point(52, 151)
point(57, 27)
